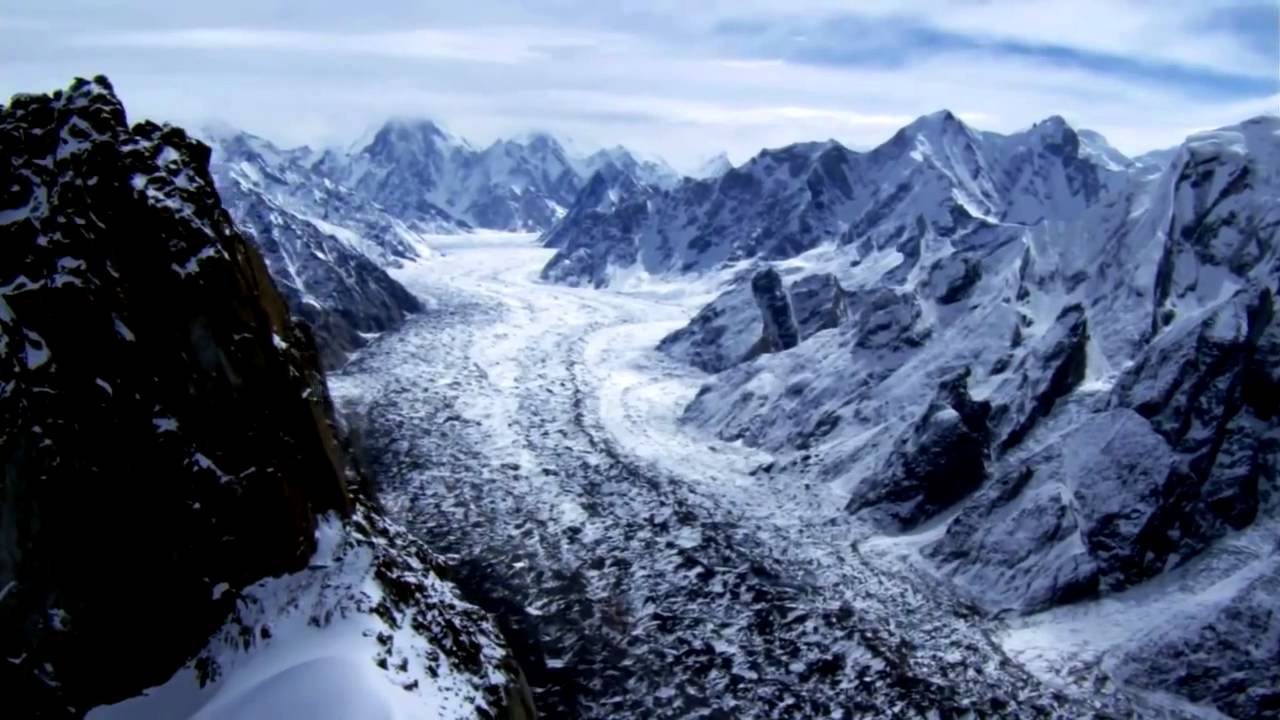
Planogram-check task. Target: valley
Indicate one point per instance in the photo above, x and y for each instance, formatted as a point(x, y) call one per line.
point(639, 568)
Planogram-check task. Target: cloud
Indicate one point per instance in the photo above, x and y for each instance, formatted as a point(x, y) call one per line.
point(493, 45)
point(668, 77)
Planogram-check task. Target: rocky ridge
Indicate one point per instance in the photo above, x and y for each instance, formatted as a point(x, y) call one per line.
point(168, 438)
point(1050, 356)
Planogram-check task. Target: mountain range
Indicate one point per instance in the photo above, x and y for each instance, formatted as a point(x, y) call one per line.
point(330, 224)
point(1049, 366)
point(1037, 371)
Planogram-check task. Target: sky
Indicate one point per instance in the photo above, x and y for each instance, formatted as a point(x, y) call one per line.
point(682, 79)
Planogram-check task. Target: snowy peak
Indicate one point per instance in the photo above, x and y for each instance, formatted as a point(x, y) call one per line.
point(713, 167)
point(617, 159)
point(932, 136)
point(402, 139)
point(936, 178)
point(432, 179)
point(1094, 146)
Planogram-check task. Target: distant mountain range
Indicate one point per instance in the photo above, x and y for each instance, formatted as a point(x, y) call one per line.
point(329, 223)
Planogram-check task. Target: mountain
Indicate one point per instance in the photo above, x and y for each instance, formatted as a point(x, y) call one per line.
point(179, 511)
point(936, 171)
point(432, 179)
point(611, 200)
point(617, 159)
point(1050, 369)
point(325, 246)
point(713, 167)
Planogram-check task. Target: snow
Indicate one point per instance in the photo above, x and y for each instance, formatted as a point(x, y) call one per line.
point(37, 350)
point(557, 396)
point(193, 264)
point(1056, 643)
point(123, 330)
point(294, 666)
point(204, 463)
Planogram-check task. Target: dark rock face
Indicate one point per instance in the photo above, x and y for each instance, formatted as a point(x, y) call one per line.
point(165, 426)
point(724, 333)
point(1066, 521)
point(1231, 660)
point(939, 461)
point(1050, 374)
point(885, 319)
point(953, 277)
point(1211, 394)
point(780, 331)
point(611, 208)
point(818, 303)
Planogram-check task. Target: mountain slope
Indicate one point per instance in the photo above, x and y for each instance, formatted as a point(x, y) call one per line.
point(1063, 391)
point(168, 441)
point(936, 173)
point(323, 244)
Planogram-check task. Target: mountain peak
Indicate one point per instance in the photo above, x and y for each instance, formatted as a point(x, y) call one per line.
point(714, 166)
point(934, 128)
point(414, 137)
point(934, 121)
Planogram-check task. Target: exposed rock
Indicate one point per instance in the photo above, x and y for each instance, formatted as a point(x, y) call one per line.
point(939, 461)
point(780, 331)
point(1065, 522)
point(1211, 393)
point(166, 425)
point(818, 303)
point(339, 292)
point(165, 430)
point(722, 334)
point(885, 319)
point(323, 244)
point(611, 203)
point(1228, 659)
point(726, 331)
point(1055, 369)
point(952, 277)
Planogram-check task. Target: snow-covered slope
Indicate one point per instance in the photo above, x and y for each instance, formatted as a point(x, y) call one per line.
point(617, 159)
point(324, 245)
point(367, 630)
point(1055, 375)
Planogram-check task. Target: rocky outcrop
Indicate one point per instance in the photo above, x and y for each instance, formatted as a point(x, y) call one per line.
point(1210, 393)
point(611, 208)
point(780, 331)
point(818, 303)
point(726, 331)
point(1045, 376)
point(165, 430)
point(939, 461)
point(1065, 522)
point(166, 426)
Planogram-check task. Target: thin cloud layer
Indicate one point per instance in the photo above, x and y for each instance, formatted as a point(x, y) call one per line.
point(683, 80)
